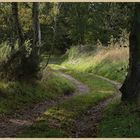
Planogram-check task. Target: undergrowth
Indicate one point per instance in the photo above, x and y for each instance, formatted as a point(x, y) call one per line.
point(19, 95)
point(120, 120)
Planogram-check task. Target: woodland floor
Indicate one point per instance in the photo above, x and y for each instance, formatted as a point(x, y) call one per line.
point(86, 125)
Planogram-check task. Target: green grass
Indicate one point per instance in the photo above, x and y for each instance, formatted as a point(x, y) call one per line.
point(19, 95)
point(111, 63)
point(59, 121)
point(113, 70)
point(120, 120)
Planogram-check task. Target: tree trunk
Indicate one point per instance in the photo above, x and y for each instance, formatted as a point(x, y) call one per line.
point(54, 38)
point(17, 25)
point(34, 57)
point(36, 27)
point(131, 86)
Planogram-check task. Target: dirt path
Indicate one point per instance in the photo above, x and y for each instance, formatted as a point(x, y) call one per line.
point(15, 123)
point(81, 88)
point(87, 125)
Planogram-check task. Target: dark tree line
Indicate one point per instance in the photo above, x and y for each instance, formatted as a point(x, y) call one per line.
point(77, 23)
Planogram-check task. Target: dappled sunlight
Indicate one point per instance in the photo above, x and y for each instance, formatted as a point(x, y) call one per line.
point(105, 92)
point(59, 114)
point(63, 67)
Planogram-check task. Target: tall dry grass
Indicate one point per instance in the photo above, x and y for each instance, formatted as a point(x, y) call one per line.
point(112, 54)
point(111, 62)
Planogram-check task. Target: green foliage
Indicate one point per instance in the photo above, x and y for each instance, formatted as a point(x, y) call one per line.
point(106, 24)
point(28, 47)
point(120, 120)
point(116, 70)
point(77, 23)
point(5, 51)
point(73, 53)
point(59, 121)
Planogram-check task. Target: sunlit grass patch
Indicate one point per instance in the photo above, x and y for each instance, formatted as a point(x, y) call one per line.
point(109, 62)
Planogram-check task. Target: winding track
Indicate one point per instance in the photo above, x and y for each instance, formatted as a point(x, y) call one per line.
point(86, 126)
point(11, 125)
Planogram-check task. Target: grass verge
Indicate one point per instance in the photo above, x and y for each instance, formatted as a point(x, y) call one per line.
point(120, 120)
point(18, 95)
point(108, 62)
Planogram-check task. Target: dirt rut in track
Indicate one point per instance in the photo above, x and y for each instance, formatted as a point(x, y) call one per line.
point(87, 124)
